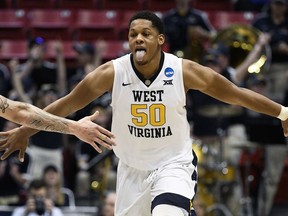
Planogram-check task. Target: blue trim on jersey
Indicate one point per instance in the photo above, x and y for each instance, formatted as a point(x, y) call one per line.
point(193, 213)
point(194, 176)
point(194, 162)
point(195, 159)
point(172, 199)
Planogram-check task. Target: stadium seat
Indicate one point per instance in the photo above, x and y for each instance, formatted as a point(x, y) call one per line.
point(6, 210)
point(4, 4)
point(123, 24)
point(212, 5)
point(77, 4)
point(51, 23)
point(68, 51)
point(161, 5)
point(124, 4)
point(96, 24)
point(114, 49)
point(13, 24)
point(223, 19)
point(35, 4)
point(69, 194)
point(10, 49)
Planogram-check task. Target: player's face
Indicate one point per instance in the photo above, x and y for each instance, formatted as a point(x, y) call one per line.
point(144, 41)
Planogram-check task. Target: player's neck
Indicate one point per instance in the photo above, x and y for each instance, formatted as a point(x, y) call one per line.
point(151, 68)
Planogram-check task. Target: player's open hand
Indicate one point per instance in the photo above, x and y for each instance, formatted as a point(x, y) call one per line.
point(92, 133)
point(11, 141)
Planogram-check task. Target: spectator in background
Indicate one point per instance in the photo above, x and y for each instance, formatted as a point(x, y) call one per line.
point(5, 86)
point(108, 204)
point(200, 206)
point(215, 122)
point(186, 30)
point(102, 171)
point(37, 71)
point(249, 5)
point(275, 23)
point(89, 56)
point(37, 202)
point(218, 58)
point(40, 82)
point(46, 147)
point(13, 176)
point(5, 80)
point(266, 132)
point(54, 182)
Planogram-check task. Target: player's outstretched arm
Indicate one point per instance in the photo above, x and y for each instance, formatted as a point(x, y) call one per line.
point(32, 116)
point(283, 116)
point(215, 85)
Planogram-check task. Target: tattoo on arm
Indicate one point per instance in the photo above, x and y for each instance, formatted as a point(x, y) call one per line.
point(45, 123)
point(34, 118)
point(3, 104)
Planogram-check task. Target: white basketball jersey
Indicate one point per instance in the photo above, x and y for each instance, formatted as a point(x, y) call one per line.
point(149, 121)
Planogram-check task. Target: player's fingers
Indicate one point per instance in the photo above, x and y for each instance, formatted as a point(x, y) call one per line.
point(3, 146)
point(106, 132)
point(96, 147)
point(104, 141)
point(21, 155)
point(3, 134)
point(107, 142)
point(94, 116)
point(286, 132)
point(6, 154)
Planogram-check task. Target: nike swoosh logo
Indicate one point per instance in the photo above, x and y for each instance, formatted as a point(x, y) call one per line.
point(126, 84)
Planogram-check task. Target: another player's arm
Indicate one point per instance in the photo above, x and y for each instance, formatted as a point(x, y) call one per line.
point(91, 87)
point(31, 116)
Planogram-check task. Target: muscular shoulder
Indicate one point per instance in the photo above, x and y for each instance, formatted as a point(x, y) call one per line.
point(102, 77)
point(196, 76)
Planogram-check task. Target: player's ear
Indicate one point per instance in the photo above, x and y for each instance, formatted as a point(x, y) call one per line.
point(161, 39)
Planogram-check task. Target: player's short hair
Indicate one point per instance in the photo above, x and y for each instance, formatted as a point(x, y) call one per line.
point(147, 15)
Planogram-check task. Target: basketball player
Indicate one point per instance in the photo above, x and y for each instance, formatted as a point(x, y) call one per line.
point(31, 116)
point(157, 168)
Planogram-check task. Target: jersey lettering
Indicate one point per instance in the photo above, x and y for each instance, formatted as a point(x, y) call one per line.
point(147, 96)
point(150, 132)
point(154, 115)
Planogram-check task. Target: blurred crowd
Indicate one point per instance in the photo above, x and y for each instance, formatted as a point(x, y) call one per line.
point(251, 55)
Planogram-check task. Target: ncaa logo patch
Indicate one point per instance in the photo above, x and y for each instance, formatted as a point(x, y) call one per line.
point(169, 72)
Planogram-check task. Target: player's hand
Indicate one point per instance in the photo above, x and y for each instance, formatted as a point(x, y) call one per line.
point(285, 127)
point(94, 134)
point(13, 140)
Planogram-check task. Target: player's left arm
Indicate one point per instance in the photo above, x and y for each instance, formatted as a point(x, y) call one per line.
point(206, 80)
